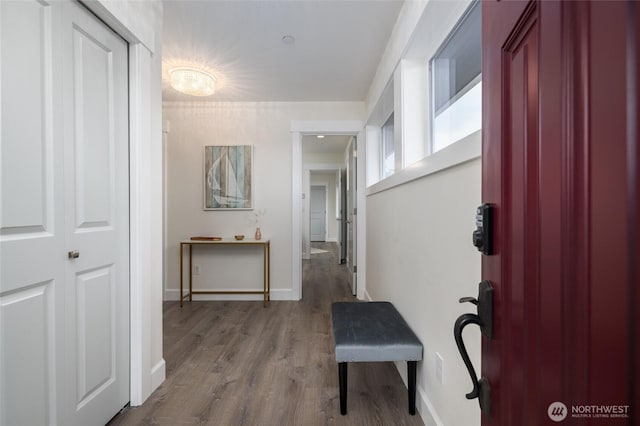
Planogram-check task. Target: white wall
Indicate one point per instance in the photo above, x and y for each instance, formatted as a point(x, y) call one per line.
point(156, 159)
point(408, 18)
point(140, 23)
point(309, 159)
point(420, 258)
point(418, 240)
point(266, 125)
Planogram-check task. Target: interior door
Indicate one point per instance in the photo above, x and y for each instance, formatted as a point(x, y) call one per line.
point(352, 210)
point(64, 320)
point(342, 206)
point(318, 213)
point(32, 271)
point(97, 205)
point(560, 168)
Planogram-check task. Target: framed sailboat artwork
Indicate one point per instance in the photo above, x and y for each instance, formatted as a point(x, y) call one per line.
point(228, 177)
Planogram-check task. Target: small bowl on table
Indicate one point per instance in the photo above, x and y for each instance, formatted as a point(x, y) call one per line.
point(239, 237)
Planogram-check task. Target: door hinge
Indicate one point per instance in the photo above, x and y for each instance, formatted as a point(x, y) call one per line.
point(355, 269)
point(355, 210)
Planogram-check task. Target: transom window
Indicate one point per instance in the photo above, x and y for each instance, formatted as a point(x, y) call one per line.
point(456, 82)
point(388, 148)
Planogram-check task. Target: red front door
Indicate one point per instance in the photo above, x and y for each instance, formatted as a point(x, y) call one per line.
point(561, 123)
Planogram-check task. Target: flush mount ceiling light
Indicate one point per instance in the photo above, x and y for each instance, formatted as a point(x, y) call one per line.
point(192, 81)
point(320, 136)
point(288, 39)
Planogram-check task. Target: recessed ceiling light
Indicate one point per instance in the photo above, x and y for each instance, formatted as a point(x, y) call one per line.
point(288, 39)
point(192, 81)
point(320, 136)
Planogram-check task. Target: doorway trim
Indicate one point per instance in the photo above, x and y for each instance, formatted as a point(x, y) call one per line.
point(329, 127)
point(145, 168)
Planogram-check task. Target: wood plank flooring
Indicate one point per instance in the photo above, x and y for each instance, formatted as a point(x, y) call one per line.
point(237, 363)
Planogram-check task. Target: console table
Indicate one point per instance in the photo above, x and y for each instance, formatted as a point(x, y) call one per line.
point(266, 289)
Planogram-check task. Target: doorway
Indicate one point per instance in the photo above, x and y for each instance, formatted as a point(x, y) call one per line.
point(301, 189)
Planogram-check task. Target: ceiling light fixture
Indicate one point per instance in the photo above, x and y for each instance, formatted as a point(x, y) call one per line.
point(320, 136)
point(192, 81)
point(288, 39)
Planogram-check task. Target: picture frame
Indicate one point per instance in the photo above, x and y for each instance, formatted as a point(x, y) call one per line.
point(228, 177)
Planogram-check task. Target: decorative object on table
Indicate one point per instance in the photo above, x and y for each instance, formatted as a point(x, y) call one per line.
point(206, 238)
point(254, 218)
point(228, 177)
point(239, 237)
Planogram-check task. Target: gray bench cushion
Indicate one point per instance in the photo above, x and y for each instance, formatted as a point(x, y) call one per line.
point(372, 331)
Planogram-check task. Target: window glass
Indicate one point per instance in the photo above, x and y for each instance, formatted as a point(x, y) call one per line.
point(456, 82)
point(388, 148)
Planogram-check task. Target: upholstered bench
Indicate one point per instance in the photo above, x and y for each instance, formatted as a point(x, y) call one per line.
point(370, 332)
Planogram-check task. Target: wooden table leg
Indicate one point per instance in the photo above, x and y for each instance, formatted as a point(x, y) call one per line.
point(190, 272)
point(181, 268)
point(264, 275)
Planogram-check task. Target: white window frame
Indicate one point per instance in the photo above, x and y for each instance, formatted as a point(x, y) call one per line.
point(432, 99)
point(408, 93)
point(383, 145)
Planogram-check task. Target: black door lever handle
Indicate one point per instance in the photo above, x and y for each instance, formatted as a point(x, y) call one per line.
point(484, 302)
point(463, 321)
point(484, 320)
point(469, 299)
point(481, 388)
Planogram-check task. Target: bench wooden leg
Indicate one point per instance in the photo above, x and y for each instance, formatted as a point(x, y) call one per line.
point(411, 377)
point(342, 378)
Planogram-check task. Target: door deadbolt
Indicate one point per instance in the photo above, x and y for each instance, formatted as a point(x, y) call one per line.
point(74, 254)
point(483, 235)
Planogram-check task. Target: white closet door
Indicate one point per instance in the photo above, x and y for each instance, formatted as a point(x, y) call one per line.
point(96, 147)
point(32, 271)
point(64, 339)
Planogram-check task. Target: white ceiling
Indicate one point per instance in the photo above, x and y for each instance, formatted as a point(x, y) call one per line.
point(337, 47)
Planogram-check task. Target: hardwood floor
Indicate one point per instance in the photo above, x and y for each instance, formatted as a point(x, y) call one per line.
point(237, 363)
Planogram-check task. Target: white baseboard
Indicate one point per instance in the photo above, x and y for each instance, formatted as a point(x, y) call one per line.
point(427, 410)
point(331, 240)
point(367, 297)
point(277, 294)
point(158, 375)
point(423, 404)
